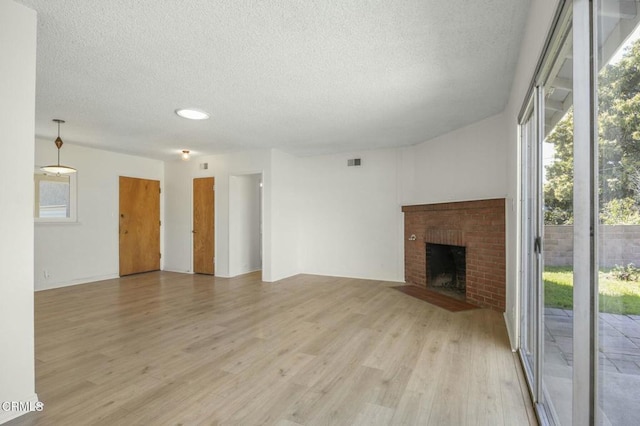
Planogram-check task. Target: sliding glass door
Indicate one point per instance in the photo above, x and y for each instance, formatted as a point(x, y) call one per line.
point(530, 259)
point(617, 146)
point(546, 138)
point(580, 218)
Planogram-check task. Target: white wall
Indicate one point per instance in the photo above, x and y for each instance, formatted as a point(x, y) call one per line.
point(466, 164)
point(86, 251)
point(179, 176)
point(17, 106)
point(178, 196)
point(244, 224)
point(319, 216)
point(281, 199)
point(350, 217)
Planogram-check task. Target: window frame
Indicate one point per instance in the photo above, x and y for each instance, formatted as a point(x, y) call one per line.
point(38, 176)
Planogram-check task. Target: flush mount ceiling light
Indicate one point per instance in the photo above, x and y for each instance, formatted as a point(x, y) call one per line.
point(185, 154)
point(192, 113)
point(57, 168)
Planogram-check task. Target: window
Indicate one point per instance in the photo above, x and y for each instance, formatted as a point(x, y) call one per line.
point(55, 198)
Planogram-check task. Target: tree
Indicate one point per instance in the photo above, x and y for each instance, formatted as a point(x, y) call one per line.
point(618, 146)
point(558, 190)
point(620, 211)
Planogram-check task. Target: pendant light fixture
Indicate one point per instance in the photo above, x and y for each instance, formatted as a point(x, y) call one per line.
point(57, 168)
point(185, 155)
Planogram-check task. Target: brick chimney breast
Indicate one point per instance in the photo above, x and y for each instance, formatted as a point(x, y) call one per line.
point(477, 225)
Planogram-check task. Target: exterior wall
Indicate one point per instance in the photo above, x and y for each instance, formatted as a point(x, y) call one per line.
point(620, 245)
point(477, 225)
point(558, 245)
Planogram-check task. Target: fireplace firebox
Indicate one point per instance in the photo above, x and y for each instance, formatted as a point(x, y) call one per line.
point(446, 269)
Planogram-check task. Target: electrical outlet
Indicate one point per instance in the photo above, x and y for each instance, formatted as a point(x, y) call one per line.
point(46, 273)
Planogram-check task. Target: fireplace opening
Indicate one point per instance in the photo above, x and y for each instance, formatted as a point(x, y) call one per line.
point(446, 269)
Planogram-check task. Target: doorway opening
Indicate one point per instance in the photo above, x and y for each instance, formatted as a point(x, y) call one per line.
point(245, 224)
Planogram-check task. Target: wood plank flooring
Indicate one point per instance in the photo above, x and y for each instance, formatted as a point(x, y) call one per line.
point(167, 348)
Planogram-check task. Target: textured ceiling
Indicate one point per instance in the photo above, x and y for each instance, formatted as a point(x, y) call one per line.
point(308, 77)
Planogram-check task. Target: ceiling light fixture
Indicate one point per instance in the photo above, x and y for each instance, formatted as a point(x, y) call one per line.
point(185, 154)
point(192, 113)
point(57, 168)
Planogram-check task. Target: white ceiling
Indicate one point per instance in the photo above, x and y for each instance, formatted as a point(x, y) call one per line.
point(307, 77)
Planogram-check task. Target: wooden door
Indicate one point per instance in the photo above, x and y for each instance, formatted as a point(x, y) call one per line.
point(203, 225)
point(139, 225)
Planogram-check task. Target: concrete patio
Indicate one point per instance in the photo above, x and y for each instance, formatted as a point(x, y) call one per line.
point(619, 365)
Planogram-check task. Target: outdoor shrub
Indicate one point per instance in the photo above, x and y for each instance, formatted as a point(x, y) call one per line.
point(626, 273)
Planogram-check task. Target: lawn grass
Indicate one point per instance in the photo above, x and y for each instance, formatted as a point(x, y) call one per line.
point(616, 296)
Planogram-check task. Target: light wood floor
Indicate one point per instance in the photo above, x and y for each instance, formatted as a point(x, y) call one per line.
point(166, 348)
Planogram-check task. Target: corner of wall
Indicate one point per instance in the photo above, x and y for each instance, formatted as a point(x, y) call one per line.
point(18, 26)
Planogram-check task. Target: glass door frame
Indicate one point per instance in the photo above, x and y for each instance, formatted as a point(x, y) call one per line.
point(531, 226)
point(583, 15)
point(585, 157)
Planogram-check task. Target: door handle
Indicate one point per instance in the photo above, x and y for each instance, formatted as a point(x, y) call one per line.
point(537, 245)
point(193, 232)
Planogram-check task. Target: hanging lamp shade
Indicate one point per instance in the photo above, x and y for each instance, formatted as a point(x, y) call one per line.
point(58, 169)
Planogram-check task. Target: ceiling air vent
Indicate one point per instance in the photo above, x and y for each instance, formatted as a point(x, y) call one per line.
point(354, 162)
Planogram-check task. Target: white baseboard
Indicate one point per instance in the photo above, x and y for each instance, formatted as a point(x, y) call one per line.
point(251, 271)
point(512, 337)
point(49, 286)
point(179, 271)
point(5, 416)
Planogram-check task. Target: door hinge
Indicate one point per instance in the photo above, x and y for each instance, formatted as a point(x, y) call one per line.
point(160, 254)
point(160, 190)
point(160, 222)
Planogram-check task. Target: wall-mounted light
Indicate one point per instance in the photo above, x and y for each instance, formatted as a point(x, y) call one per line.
point(185, 155)
point(58, 169)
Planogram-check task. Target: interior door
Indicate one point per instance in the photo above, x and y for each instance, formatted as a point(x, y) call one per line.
point(203, 226)
point(139, 225)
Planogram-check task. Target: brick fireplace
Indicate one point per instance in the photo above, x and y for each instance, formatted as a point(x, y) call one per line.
point(479, 227)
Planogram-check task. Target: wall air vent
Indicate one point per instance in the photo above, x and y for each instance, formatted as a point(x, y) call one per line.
point(204, 166)
point(354, 162)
